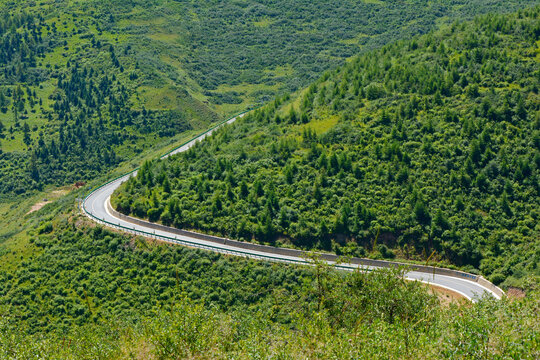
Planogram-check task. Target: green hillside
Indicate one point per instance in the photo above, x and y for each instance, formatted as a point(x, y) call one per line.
point(86, 85)
point(91, 293)
point(430, 145)
point(427, 146)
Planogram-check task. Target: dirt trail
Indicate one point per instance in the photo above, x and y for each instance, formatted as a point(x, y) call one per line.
point(50, 197)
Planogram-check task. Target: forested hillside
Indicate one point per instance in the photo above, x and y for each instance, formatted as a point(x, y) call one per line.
point(69, 109)
point(428, 148)
point(87, 84)
point(430, 145)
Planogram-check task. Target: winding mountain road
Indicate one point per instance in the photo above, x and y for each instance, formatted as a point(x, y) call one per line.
point(97, 207)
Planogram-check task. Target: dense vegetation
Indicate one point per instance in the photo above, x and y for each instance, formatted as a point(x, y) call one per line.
point(68, 103)
point(490, 330)
point(284, 43)
point(87, 84)
point(79, 276)
point(96, 294)
point(430, 144)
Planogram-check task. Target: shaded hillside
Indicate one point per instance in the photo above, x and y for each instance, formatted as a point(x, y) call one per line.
point(427, 145)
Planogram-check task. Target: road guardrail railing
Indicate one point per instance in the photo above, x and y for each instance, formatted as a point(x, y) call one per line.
point(302, 254)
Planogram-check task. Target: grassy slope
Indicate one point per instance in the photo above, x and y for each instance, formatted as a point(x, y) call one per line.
point(202, 49)
point(16, 221)
point(78, 28)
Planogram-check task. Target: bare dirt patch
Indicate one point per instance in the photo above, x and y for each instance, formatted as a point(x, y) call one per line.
point(515, 293)
point(447, 297)
point(38, 206)
point(49, 198)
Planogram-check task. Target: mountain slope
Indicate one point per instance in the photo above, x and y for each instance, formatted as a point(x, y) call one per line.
point(85, 85)
point(93, 293)
point(425, 146)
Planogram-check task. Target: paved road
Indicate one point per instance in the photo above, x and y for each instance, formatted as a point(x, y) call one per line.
point(95, 206)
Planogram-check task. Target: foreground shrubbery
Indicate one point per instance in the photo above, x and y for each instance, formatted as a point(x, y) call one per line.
point(356, 319)
point(83, 276)
point(89, 293)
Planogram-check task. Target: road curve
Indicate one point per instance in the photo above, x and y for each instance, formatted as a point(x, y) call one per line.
point(96, 206)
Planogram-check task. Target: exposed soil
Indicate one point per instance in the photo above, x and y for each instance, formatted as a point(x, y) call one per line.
point(515, 293)
point(38, 206)
point(447, 297)
point(49, 198)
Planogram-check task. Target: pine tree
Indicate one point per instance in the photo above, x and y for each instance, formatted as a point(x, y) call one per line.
point(4, 102)
point(243, 190)
point(34, 172)
point(505, 205)
point(166, 185)
point(421, 213)
point(268, 228)
point(293, 118)
point(385, 118)
point(26, 134)
point(317, 194)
